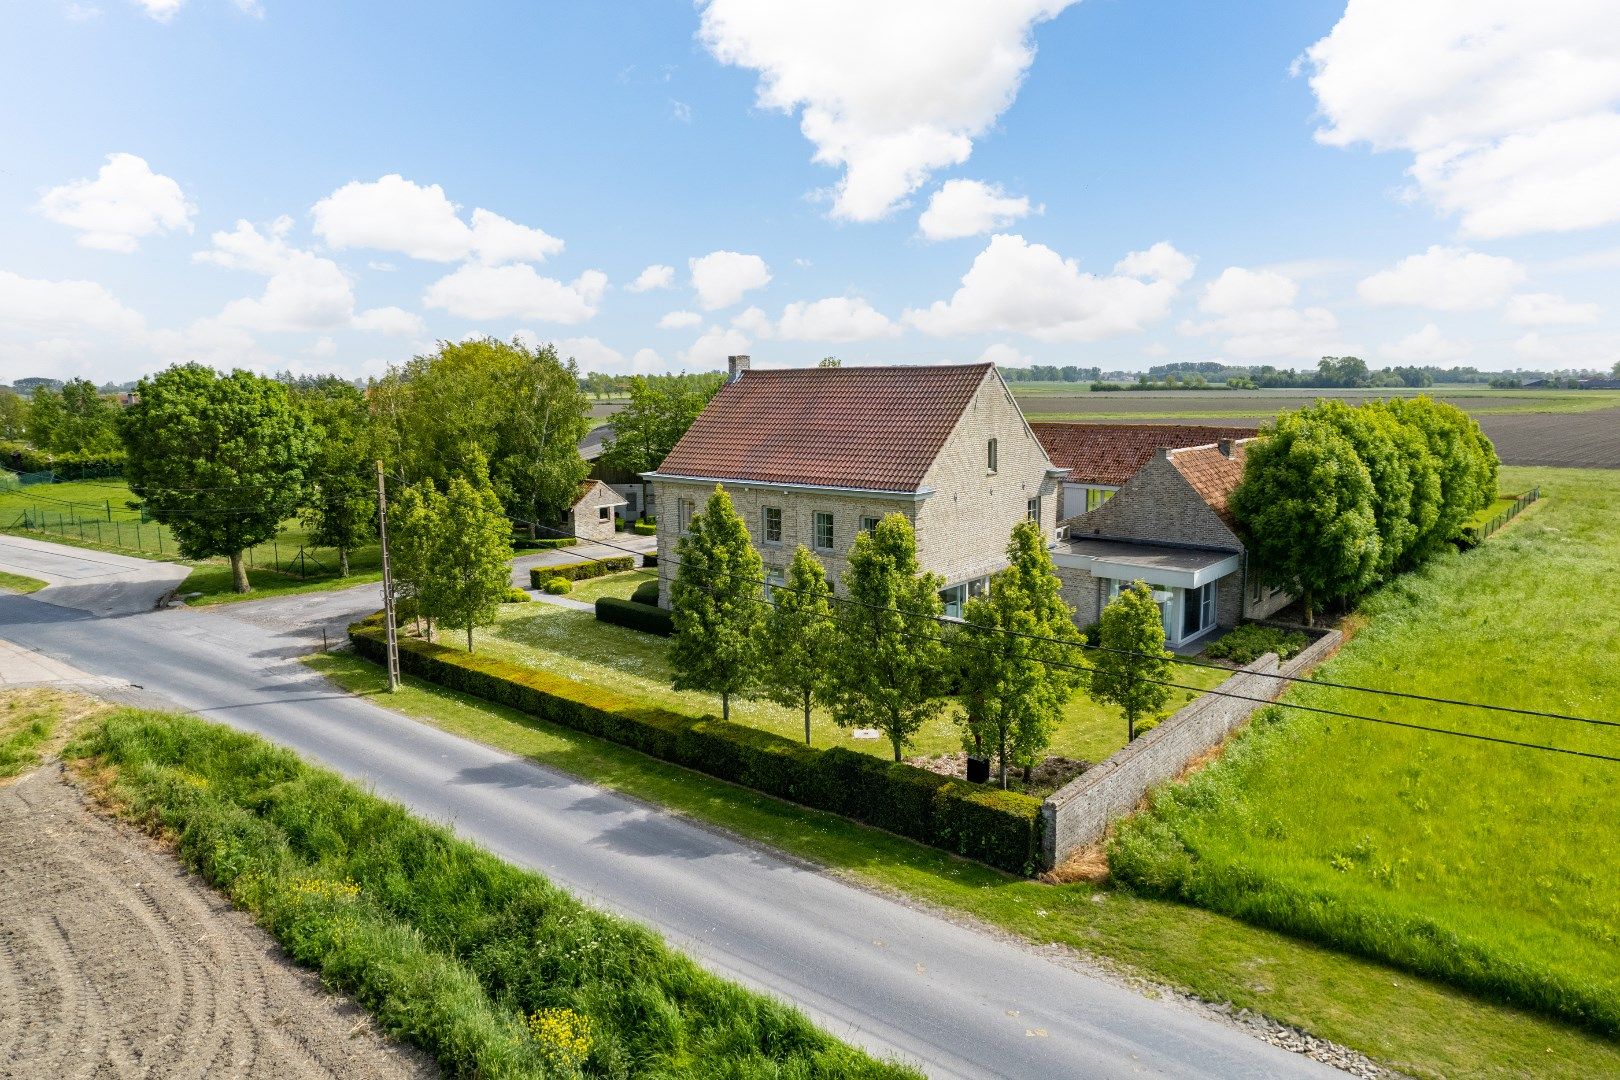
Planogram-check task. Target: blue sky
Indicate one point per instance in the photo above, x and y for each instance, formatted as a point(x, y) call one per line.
point(252, 182)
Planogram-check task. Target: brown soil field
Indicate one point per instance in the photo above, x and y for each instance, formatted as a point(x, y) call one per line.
point(1589, 440)
point(115, 962)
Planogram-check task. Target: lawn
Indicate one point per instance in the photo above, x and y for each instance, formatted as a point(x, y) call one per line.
point(1416, 1025)
point(1490, 865)
point(93, 514)
point(1067, 401)
point(574, 644)
point(491, 969)
point(622, 585)
point(10, 582)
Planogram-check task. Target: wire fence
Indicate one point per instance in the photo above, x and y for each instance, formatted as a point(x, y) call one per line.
point(1477, 533)
point(150, 538)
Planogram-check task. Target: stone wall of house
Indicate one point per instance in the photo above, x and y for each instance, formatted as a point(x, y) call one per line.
point(799, 509)
point(585, 518)
point(1157, 505)
point(1079, 814)
point(963, 527)
point(1083, 592)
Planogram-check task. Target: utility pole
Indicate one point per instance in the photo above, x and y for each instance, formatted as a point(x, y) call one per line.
point(387, 583)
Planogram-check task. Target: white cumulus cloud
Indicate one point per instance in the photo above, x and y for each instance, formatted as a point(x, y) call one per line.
point(304, 290)
point(1014, 286)
point(969, 208)
point(713, 346)
point(1425, 346)
point(721, 278)
point(889, 92)
point(656, 276)
point(1445, 279)
point(1004, 355)
point(477, 291)
point(1253, 312)
point(391, 320)
point(39, 306)
point(837, 318)
point(394, 214)
point(1548, 309)
point(125, 202)
point(679, 320)
point(1507, 108)
point(161, 10)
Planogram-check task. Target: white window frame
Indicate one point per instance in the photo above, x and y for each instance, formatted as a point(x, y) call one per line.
point(1034, 509)
point(604, 513)
point(765, 524)
point(868, 523)
point(815, 533)
point(992, 453)
point(684, 509)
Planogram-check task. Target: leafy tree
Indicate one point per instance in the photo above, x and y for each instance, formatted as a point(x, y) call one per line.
point(1342, 371)
point(890, 656)
point(521, 408)
point(85, 421)
point(414, 516)
point(1375, 436)
point(1016, 656)
point(13, 415)
point(717, 606)
point(660, 409)
point(220, 459)
point(342, 507)
point(1465, 463)
point(472, 550)
point(45, 417)
point(1305, 508)
point(1132, 656)
point(799, 638)
point(830, 361)
point(1615, 371)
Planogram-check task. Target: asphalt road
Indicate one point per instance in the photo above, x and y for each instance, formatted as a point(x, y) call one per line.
point(95, 581)
point(896, 980)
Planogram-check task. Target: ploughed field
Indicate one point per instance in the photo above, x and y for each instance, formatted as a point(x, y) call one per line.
point(1582, 440)
point(1486, 865)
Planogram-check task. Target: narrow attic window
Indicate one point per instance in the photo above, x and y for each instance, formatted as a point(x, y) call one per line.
point(990, 455)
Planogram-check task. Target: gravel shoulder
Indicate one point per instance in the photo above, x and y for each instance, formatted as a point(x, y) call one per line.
point(116, 962)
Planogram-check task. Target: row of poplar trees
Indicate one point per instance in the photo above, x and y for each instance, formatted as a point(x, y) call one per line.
point(880, 655)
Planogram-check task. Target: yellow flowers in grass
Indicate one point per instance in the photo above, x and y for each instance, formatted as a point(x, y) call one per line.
point(563, 1033)
point(324, 889)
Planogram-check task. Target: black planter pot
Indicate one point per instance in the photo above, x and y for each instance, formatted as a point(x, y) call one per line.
point(978, 770)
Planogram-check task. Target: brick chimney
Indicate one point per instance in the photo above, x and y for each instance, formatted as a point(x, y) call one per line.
point(735, 366)
point(1226, 447)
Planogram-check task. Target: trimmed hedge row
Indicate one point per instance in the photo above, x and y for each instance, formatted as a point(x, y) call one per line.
point(547, 543)
point(1001, 828)
point(648, 618)
point(579, 571)
point(646, 592)
point(69, 465)
point(644, 528)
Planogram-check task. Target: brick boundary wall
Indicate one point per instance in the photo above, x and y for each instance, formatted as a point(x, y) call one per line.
point(1079, 813)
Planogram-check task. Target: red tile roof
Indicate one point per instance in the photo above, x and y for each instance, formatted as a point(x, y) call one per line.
point(1110, 454)
point(1212, 474)
point(877, 428)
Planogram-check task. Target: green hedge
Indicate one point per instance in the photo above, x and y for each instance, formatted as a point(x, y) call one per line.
point(997, 827)
point(72, 465)
point(579, 571)
point(547, 543)
point(648, 618)
point(646, 592)
point(644, 528)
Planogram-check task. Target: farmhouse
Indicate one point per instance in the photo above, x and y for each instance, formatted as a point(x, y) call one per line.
point(1168, 525)
point(814, 456)
point(1101, 457)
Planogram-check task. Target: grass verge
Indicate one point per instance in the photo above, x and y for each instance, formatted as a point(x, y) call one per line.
point(491, 969)
point(19, 583)
point(1418, 1026)
point(1487, 865)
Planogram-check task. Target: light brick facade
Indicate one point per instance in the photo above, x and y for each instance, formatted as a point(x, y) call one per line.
point(586, 518)
point(963, 512)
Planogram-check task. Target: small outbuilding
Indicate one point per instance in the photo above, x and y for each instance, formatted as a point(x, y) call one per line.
point(591, 516)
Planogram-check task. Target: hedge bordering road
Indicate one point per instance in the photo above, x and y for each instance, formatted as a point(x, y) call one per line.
point(1000, 828)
